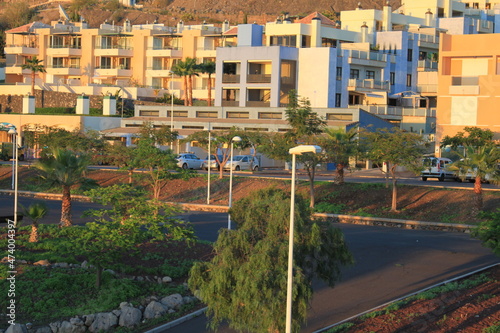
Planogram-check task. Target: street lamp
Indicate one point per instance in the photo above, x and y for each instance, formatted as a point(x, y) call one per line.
point(209, 164)
point(15, 153)
point(299, 150)
point(172, 108)
point(233, 140)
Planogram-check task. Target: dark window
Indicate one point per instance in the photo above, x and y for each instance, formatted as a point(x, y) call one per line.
point(410, 54)
point(392, 78)
point(354, 74)
point(339, 73)
point(370, 74)
point(408, 80)
point(338, 100)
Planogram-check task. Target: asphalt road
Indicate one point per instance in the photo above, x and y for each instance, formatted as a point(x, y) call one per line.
point(390, 263)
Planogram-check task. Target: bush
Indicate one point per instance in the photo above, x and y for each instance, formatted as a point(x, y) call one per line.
point(331, 208)
point(58, 110)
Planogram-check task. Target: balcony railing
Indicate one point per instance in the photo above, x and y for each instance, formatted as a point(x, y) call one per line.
point(112, 67)
point(429, 39)
point(64, 66)
point(427, 88)
point(369, 84)
point(158, 68)
point(114, 47)
point(385, 110)
point(259, 78)
point(231, 78)
point(464, 80)
point(428, 64)
point(65, 46)
point(30, 45)
point(164, 47)
point(258, 104)
point(230, 103)
point(365, 55)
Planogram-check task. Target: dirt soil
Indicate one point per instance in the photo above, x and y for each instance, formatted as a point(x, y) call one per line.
point(472, 310)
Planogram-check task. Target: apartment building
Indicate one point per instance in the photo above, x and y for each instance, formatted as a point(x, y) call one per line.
point(469, 84)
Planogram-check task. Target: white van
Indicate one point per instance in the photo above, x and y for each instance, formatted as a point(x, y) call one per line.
point(437, 167)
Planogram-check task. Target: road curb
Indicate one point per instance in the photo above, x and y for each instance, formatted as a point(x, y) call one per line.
point(178, 321)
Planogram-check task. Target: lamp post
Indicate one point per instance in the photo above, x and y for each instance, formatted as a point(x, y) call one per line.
point(15, 153)
point(208, 164)
point(233, 140)
point(299, 150)
point(172, 108)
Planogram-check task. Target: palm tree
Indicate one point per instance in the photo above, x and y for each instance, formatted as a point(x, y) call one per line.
point(480, 162)
point(64, 168)
point(208, 68)
point(35, 66)
point(340, 145)
point(186, 69)
point(35, 212)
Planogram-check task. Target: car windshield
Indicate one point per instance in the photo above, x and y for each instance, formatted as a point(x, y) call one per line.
point(238, 158)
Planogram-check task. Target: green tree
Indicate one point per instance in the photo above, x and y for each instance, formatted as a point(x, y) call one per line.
point(397, 148)
point(66, 169)
point(131, 220)
point(489, 231)
point(208, 68)
point(470, 137)
point(35, 66)
point(122, 157)
point(481, 162)
point(248, 273)
point(35, 212)
point(157, 162)
point(160, 136)
point(339, 147)
point(306, 127)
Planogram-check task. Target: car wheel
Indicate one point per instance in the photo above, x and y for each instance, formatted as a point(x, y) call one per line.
point(256, 168)
point(185, 166)
point(441, 177)
point(424, 179)
point(21, 157)
point(237, 168)
point(206, 169)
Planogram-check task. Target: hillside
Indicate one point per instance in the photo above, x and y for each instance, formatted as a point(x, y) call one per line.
point(196, 11)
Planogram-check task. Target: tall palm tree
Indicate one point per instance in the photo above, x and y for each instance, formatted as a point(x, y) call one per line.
point(208, 68)
point(35, 66)
point(186, 69)
point(480, 162)
point(35, 212)
point(64, 168)
point(340, 145)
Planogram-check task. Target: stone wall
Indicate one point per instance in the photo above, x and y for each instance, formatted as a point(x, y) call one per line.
point(45, 99)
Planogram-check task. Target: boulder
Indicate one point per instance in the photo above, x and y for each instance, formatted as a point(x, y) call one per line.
point(89, 319)
point(173, 301)
point(17, 328)
point(124, 304)
point(130, 317)
point(103, 322)
point(55, 326)
point(85, 264)
point(76, 321)
point(61, 264)
point(166, 279)
point(67, 327)
point(154, 310)
point(43, 329)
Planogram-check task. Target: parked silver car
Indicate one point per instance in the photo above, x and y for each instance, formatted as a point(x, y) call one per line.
point(243, 162)
point(214, 165)
point(188, 161)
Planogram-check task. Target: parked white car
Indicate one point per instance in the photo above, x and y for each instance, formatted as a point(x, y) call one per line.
point(188, 161)
point(242, 162)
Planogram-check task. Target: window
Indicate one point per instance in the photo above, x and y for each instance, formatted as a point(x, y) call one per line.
point(124, 63)
point(182, 114)
point(370, 74)
point(206, 114)
point(57, 42)
point(157, 63)
point(270, 115)
point(149, 113)
point(57, 62)
point(156, 83)
point(339, 73)
point(354, 74)
point(193, 127)
point(392, 78)
point(410, 55)
point(105, 62)
point(290, 41)
point(237, 114)
point(339, 116)
point(106, 43)
point(338, 100)
point(256, 129)
point(74, 62)
point(408, 80)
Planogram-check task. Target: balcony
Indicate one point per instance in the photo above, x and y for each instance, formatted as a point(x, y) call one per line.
point(22, 49)
point(367, 58)
point(367, 85)
point(258, 104)
point(16, 69)
point(464, 85)
point(230, 78)
point(116, 71)
point(427, 89)
point(427, 65)
point(64, 50)
point(485, 27)
point(164, 51)
point(259, 78)
point(429, 41)
point(114, 50)
point(230, 103)
point(158, 71)
point(63, 70)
